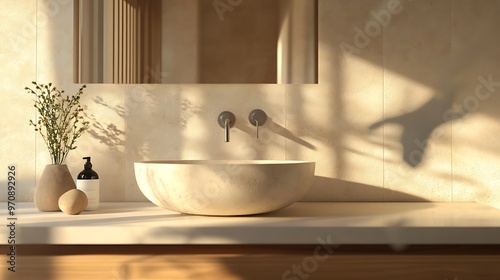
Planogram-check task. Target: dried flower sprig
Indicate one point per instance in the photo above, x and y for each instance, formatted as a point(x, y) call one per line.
point(60, 122)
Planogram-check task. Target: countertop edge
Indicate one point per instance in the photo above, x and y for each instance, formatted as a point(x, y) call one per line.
point(122, 223)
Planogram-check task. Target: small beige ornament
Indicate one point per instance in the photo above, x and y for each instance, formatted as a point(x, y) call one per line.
point(73, 202)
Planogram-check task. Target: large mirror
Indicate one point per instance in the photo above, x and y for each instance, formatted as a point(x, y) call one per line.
point(196, 41)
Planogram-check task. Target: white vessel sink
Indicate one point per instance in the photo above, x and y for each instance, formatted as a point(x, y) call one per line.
point(224, 187)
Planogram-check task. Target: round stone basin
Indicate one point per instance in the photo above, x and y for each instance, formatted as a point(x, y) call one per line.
point(224, 187)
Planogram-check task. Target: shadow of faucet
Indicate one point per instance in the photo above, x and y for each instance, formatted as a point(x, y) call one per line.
point(271, 125)
point(289, 135)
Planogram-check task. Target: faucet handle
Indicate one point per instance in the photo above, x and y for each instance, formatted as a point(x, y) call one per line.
point(257, 118)
point(226, 115)
point(226, 120)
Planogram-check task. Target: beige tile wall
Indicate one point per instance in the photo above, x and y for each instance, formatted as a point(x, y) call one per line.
point(17, 70)
point(377, 124)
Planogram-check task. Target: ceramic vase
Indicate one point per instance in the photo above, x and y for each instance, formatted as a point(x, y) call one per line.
point(54, 182)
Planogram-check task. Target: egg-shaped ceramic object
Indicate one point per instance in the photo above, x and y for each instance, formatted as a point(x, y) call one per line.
point(73, 202)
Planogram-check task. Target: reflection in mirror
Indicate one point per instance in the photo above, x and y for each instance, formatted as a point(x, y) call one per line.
point(196, 41)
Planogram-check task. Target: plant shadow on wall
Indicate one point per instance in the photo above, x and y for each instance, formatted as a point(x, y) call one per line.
point(419, 124)
point(160, 110)
point(107, 133)
point(461, 74)
point(425, 121)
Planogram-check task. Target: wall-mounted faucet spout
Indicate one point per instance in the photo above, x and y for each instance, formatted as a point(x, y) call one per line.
point(226, 120)
point(257, 118)
point(227, 125)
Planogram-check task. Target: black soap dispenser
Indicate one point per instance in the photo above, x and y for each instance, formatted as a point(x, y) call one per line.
point(88, 182)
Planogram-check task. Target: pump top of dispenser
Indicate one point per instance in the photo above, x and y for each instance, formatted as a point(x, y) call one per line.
point(88, 173)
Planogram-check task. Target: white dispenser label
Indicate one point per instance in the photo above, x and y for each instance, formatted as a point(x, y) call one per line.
point(91, 189)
